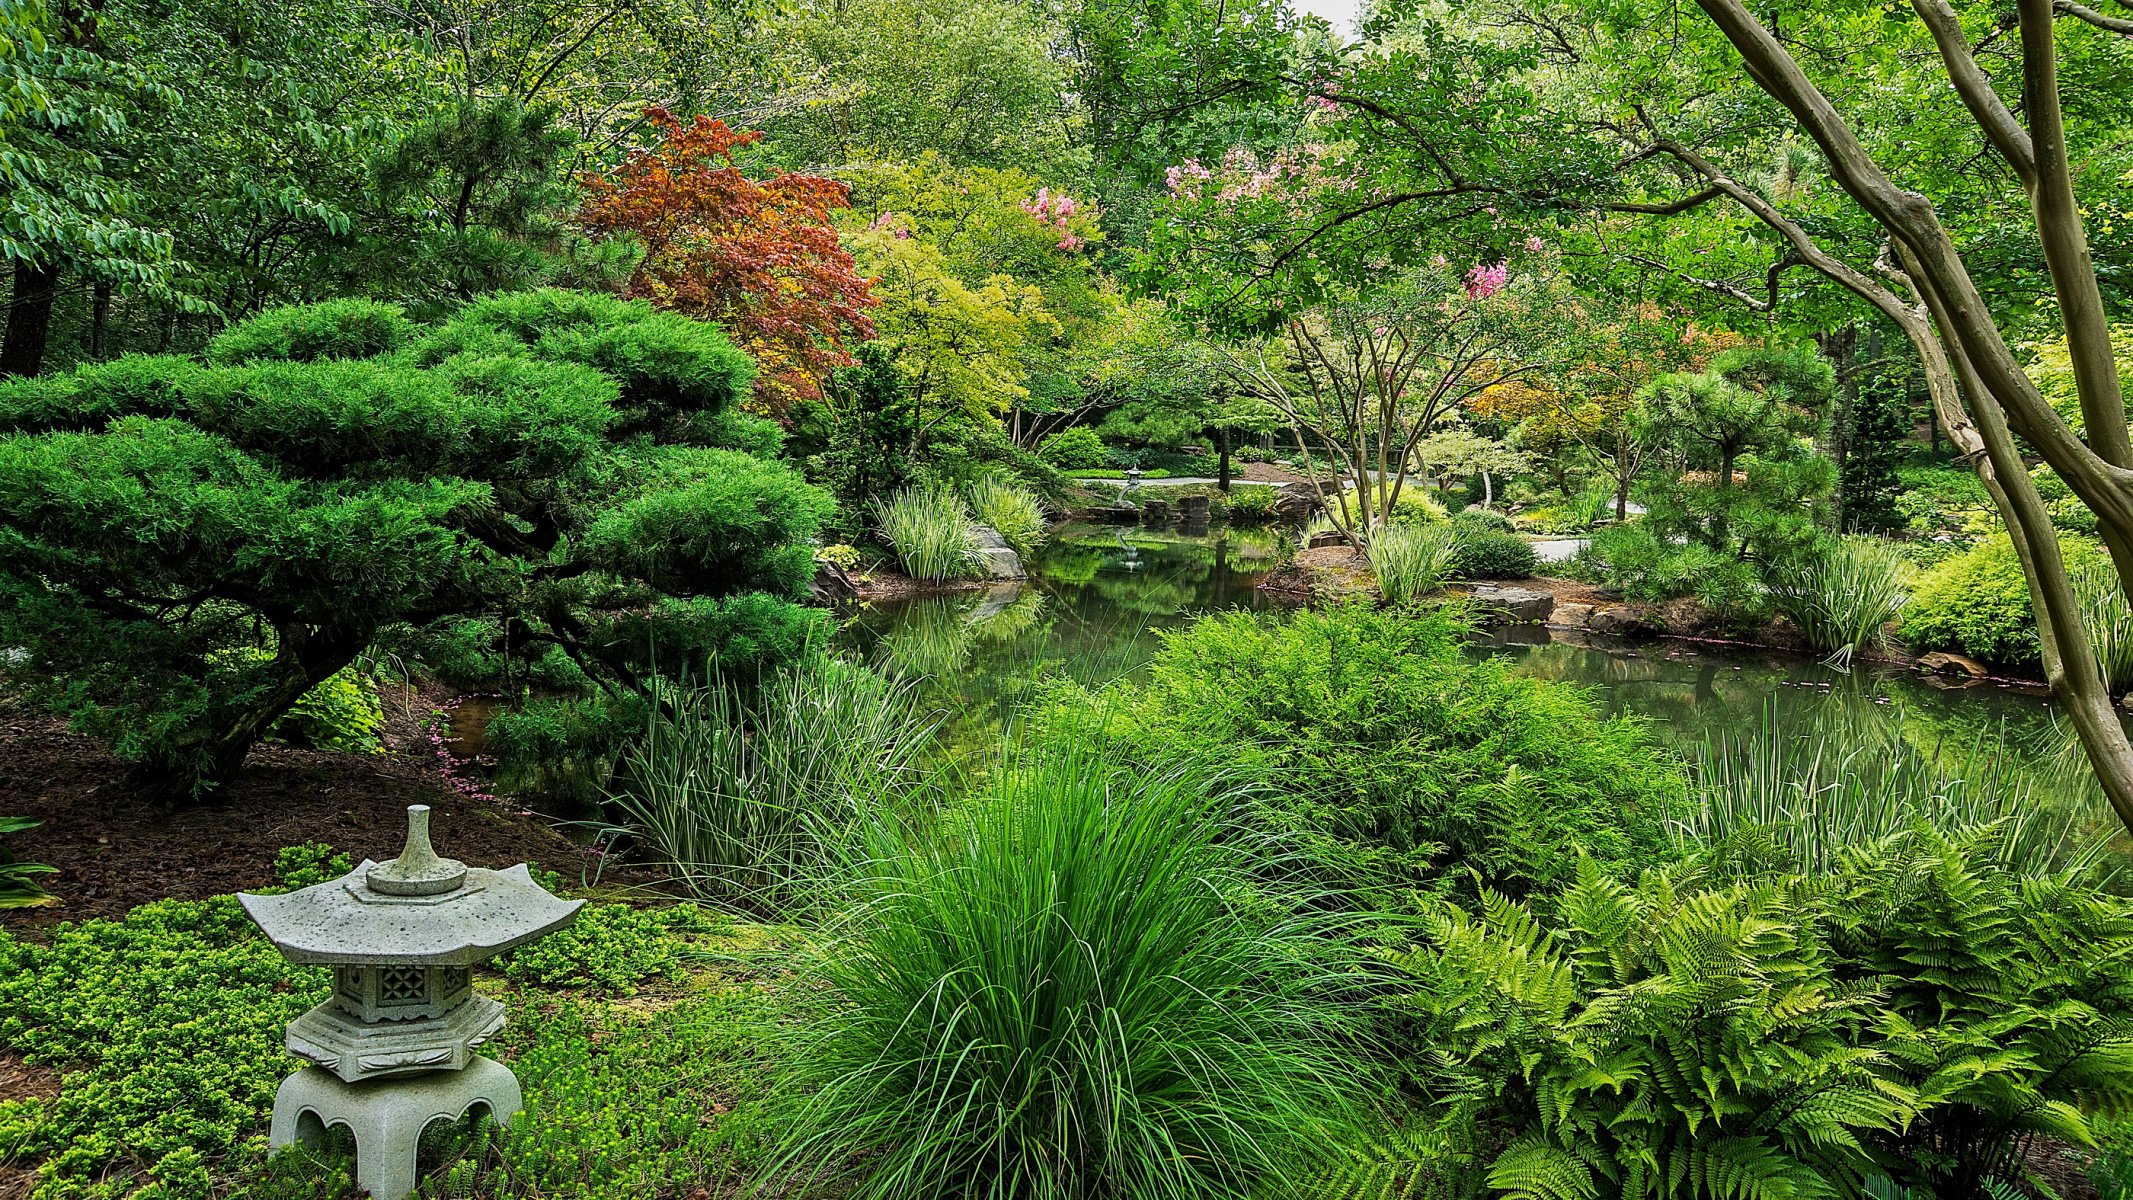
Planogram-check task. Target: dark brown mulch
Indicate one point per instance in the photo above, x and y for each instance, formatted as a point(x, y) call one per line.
point(115, 849)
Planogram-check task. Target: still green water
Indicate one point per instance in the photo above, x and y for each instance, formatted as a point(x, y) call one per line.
point(1099, 597)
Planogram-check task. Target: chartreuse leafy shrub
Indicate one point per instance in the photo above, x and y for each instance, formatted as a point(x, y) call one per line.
point(1978, 602)
point(1414, 507)
point(1075, 449)
point(556, 461)
point(1374, 736)
point(611, 949)
point(166, 1028)
point(1076, 988)
point(1907, 1021)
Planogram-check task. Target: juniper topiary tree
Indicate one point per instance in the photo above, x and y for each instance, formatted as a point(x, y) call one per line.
point(570, 467)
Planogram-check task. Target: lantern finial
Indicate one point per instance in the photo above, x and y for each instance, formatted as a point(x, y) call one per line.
point(418, 871)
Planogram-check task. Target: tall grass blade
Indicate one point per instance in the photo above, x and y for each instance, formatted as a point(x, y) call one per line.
point(1012, 509)
point(1806, 794)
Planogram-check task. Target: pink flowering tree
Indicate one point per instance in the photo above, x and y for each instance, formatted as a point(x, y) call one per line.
point(1362, 380)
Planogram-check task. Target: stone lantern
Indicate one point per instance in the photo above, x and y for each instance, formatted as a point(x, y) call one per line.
point(393, 1050)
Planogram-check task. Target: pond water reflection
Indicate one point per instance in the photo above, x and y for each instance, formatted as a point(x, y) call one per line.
point(1099, 595)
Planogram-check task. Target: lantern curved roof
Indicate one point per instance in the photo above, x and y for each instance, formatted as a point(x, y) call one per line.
point(344, 921)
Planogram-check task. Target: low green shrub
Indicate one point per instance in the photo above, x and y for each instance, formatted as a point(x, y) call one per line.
point(1065, 993)
point(1915, 1017)
point(298, 867)
point(1075, 449)
point(929, 529)
point(1978, 602)
point(1944, 502)
point(166, 1028)
point(1645, 567)
point(1378, 741)
point(610, 949)
point(1842, 592)
point(1015, 511)
point(562, 750)
point(1411, 560)
point(1250, 502)
point(1489, 548)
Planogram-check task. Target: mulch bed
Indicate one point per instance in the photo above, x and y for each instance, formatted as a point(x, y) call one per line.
point(116, 849)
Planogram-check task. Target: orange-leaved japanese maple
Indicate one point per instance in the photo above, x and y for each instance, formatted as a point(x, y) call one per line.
point(759, 256)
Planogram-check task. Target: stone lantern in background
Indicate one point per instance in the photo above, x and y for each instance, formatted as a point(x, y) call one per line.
point(393, 1050)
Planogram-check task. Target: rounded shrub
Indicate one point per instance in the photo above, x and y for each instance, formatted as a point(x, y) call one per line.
point(1379, 741)
point(349, 328)
point(1476, 521)
point(1492, 556)
point(1978, 602)
point(1076, 449)
point(1414, 507)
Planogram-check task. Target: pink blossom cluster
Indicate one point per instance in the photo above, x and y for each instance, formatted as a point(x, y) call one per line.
point(1484, 281)
point(888, 221)
point(457, 772)
point(1323, 99)
point(1054, 210)
point(1185, 178)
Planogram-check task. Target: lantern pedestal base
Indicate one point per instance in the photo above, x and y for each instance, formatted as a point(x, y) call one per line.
point(387, 1116)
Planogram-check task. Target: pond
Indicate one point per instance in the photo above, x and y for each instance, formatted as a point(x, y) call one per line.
point(1100, 595)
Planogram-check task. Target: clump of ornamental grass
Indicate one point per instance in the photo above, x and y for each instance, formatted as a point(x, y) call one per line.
point(1802, 799)
point(744, 796)
point(1014, 510)
point(1843, 593)
point(929, 528)
point(1077, 987)
point(2106, 616)
point(1411, 560)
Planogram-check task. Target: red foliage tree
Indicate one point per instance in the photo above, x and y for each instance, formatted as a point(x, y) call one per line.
point(760, 257)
